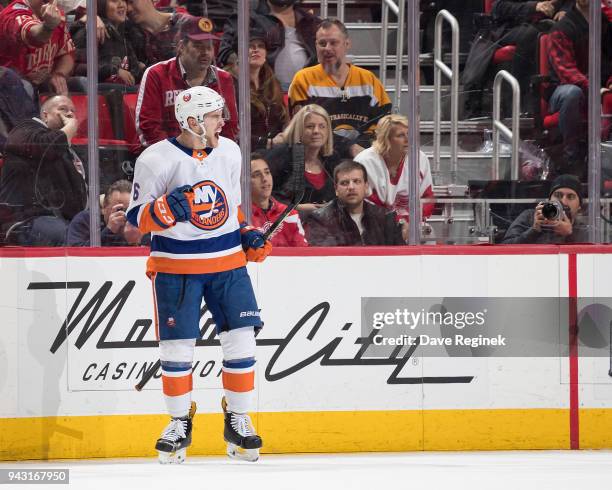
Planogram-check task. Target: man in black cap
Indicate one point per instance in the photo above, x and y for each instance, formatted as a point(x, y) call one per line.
point(553, 221)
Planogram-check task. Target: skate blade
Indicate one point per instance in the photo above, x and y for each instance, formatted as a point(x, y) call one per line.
point(241, 454)
point(176, 457)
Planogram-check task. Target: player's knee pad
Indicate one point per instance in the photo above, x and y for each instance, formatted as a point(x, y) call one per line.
point(238, 345)
point(176, 358)
point(180, 350)
point(238, 375)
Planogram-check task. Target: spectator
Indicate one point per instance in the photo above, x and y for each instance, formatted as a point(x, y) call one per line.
point(268, 112)
point(291, 37)
point(568, 55)
point(43, 175)
point(115, 231)
point(152, 34)
point(36, 44)
point(532, 227)
point(350, 220)
point(265, 209)
point(117, 61)
point(518, 23)
point(354, 98)
point(523, 22)
point(388, 174)
point(312, 127)
point(155, 119)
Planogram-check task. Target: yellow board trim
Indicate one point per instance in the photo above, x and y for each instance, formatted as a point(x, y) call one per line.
point(116, 436)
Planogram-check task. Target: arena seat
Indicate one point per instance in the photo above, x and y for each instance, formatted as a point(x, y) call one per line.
point(505, 54)
point(545, 119)
point(106, 134)
point(129, 117)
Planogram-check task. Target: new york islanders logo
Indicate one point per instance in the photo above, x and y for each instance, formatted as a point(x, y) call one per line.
point(210, 208)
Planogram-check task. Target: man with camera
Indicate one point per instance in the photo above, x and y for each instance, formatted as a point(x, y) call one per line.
point(115, 230)
point(552, 221)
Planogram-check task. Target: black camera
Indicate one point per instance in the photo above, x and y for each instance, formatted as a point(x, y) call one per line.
point(554, 210)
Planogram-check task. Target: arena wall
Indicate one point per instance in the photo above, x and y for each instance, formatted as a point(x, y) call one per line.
point(77, 332)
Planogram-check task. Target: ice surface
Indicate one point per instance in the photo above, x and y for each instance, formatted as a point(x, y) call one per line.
point(515, 470)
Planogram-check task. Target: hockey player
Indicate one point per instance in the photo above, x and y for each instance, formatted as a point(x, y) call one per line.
point(186, 192)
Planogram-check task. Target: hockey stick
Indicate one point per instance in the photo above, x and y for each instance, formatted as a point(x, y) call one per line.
point(149, 373)
point(296, 181)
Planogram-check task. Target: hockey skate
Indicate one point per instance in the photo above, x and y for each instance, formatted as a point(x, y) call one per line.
point(175, 439)
point(242, 441)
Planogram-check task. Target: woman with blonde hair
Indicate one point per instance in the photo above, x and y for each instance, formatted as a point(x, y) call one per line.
point(311, 126)
point(386, 162)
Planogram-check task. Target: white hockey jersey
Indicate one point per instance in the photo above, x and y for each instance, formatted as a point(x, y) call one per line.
point(210, 240)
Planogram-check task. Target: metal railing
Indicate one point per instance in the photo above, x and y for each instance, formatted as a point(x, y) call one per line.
point(339, 9)
point(440, 68)
point(400, 12)
point(498, 126)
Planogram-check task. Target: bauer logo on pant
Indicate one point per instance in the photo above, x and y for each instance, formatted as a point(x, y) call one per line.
point(210, 208)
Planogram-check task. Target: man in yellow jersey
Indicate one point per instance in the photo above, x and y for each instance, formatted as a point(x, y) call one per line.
point(354, 98)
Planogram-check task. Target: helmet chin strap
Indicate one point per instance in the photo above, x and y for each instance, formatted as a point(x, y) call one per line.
point(201, 136)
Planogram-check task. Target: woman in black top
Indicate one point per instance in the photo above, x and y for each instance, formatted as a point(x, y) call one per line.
point(269, 116)
point(118, 63)
point(311, 126)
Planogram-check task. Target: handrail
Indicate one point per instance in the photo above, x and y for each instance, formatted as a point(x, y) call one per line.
point(324, 9)
point(339, 9)
point(399, 50)
point(498, 126)
point(384, 26)
point(453, 74)
point(392, 5)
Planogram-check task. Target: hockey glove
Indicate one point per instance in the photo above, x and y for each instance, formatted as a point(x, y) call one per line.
point(259, 254)
point(179, 203)
point(251, 237)
point(256, 247)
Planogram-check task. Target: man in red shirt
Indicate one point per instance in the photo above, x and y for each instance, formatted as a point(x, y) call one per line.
point(266, 209)
point(192, 67)
point(36, 43)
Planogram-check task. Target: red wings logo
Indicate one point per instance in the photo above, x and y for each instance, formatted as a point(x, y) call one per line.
point(187, 97)
point(210, 208)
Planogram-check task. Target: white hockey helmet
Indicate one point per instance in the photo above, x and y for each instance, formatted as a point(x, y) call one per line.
point(196, 102)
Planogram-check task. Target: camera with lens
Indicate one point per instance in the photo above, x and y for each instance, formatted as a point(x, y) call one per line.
point(554, 210)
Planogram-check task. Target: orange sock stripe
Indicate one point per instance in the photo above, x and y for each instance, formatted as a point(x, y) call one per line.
point(177, 386)
point(239, 383)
